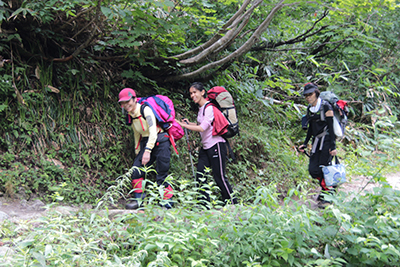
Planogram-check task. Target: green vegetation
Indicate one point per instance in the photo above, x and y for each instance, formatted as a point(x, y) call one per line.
point(359, 232)
point(63, 139)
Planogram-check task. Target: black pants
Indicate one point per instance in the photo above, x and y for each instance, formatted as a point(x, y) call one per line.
point(320, 157)
point(161, 155)
point(214, 158)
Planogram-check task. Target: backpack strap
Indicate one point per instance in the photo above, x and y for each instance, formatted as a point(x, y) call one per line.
point(172, 141)
point(142, 106)
point(207, 104)
point(128, 119)
point(321, 110)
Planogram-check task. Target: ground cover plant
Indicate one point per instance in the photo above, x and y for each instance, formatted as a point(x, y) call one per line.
point(355, 231)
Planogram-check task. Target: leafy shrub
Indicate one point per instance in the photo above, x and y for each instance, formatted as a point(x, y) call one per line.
point(357, 230)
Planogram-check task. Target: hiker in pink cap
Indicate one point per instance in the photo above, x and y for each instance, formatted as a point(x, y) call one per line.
point(152, 145)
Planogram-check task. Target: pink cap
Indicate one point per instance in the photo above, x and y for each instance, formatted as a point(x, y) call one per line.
point(126, 94)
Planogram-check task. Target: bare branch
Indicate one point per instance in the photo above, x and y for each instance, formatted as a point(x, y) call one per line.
point(303, 48)
point(280, 102)
point(299, 38)
point(83, 28)
point(332, 50)
point(80, 14)
point(242, 50)
point(220, 44)
point(237, 14)
point(217, 36)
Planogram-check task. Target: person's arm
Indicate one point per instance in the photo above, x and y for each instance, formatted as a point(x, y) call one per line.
point(137, 140)
point(308, 137)
point(190, 125)
point(329, 120)
point(151, 121)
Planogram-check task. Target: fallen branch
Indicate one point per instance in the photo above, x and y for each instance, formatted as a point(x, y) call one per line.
point(280, 102)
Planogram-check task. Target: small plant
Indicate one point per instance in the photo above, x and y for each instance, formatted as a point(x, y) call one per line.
point(9, 189)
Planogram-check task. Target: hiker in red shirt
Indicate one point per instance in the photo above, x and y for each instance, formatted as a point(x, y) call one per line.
point(322, 134)
point(214, 151)
point(152, 144)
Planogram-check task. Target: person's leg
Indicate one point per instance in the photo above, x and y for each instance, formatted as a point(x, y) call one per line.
point(325, 159)
point(162, 155)
point(315, 170)
point(320, 157)
point(138, 177)
point(137, 183)
point(201, 178)
point(217, 157)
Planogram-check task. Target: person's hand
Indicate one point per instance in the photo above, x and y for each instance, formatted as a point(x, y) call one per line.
point(302, 147)
point(180, 123)
point(185, 120)
point(146, 157)
point(333, 152)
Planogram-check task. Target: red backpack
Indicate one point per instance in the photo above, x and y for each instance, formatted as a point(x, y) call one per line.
point(220, 98)
point(225, 121)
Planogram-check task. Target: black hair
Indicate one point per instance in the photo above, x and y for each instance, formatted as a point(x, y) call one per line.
point(199, 86)
point(312, 85)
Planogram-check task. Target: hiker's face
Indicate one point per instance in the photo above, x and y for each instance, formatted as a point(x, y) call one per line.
point(311, 97)
point(196, 95)
point(129, 105)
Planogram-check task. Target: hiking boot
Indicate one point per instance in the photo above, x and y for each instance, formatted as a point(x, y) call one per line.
point(323, 204)
point(331, 191)
point(168, 204)
point(320, 197)
point(133, 205)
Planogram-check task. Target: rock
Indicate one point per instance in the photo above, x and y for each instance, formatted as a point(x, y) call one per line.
point(24, 203)
point(37, 205)
point(13, 214)
point(65, 210)
point(3, 216)
point(18, 196)
point(22, 193)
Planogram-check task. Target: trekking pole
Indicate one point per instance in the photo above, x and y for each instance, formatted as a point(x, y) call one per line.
point(190, 151)
point(305, 152)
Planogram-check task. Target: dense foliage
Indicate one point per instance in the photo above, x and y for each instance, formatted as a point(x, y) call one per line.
point(63, 138)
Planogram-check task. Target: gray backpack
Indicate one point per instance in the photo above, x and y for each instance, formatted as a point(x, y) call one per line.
point(340, 112)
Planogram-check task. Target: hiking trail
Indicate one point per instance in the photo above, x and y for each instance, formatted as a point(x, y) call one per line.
point(17, 209)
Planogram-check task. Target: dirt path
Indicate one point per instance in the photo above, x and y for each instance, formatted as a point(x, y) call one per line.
point(16, 210)
point(359, 182)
